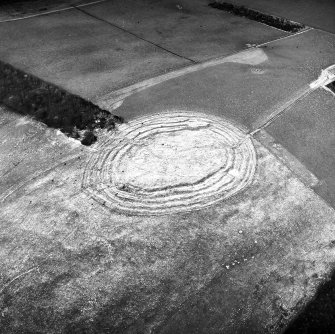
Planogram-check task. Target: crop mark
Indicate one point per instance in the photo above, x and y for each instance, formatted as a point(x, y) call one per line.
point(13, 189)
point(114, 99)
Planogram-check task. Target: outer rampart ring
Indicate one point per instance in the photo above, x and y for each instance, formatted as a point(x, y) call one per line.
point(170, 162)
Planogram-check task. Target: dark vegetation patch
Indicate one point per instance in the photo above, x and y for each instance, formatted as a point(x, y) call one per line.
point(270, 20)
point(16, 7)
point(29, 308)
point(319, 315)
point(45, 102)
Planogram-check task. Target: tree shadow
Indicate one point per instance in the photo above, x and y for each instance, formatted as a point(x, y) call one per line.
point(28, 95)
